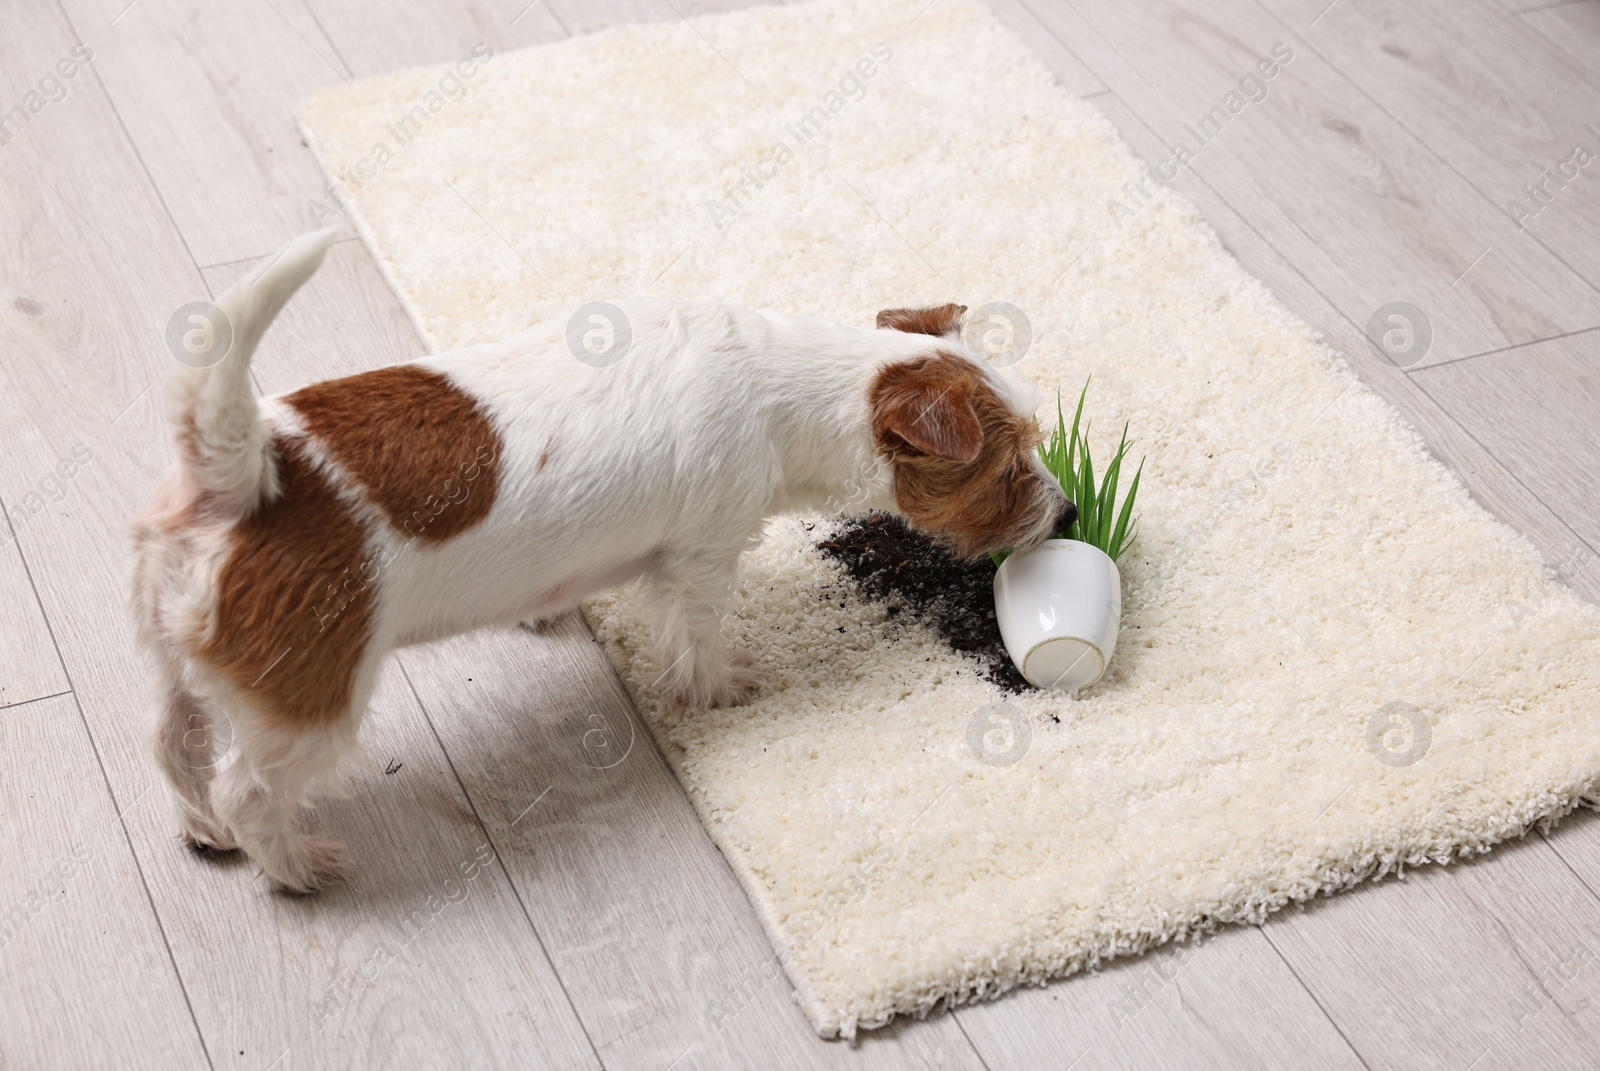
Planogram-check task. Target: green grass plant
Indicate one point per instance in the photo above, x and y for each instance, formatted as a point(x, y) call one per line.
point(1101, 522)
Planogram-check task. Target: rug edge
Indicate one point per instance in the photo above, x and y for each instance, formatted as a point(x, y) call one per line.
point(363, 230)
point(830, 1021)
point(1390, 856)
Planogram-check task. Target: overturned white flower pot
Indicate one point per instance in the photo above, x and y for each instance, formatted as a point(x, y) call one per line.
point(1059, 608)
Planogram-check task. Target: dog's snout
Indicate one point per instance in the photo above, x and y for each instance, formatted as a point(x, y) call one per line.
point(1069, 513)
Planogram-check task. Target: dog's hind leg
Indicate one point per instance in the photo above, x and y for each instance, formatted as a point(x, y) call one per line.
point(277, 766)
point(189, 746)
point(259, 797)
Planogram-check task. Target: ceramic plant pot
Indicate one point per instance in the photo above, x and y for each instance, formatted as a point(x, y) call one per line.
point(1060, 608)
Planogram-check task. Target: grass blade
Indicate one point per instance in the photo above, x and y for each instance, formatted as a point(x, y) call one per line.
point(1066, 455)
point(1078, 414)
point(1105, 507)
point(1122, 534)
point(1086, 501)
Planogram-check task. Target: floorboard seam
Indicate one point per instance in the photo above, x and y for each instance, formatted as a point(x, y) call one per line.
point(1546, 7)
point(1503, 349)
point(35, 699)
point(1314, 998)
point(328, 37)
point(511, 883)
point(643, 727)
point(1444, 412)
point(1435, 153)
point(120, 812)
point(975, 1050)
point(263, 256)
point(1550, 841)
point(1468, 432)
point(133, 146)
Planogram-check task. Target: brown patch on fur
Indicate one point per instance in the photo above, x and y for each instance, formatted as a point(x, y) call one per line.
point(940, 321)
point(290, 629)
point(423, 448)
point(928, 405)
point(961, 458)
point(544, 457)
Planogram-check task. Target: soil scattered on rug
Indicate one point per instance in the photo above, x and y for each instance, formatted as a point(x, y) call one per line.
point(895, 564)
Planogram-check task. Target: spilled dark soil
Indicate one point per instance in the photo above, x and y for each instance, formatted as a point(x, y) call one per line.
point(895, 564)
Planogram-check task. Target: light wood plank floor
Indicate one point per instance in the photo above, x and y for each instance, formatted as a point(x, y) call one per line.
point(1386, 162)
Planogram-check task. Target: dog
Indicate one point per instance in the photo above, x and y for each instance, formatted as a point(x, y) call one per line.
point(303, 537)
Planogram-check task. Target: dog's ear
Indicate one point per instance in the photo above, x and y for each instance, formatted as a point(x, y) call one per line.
point(926, 404)
point(941, 322)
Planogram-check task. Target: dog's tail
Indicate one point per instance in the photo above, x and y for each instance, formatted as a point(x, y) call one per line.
point(222, 439)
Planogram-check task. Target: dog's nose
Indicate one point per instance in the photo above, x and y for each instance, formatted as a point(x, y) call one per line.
point(1069, 513)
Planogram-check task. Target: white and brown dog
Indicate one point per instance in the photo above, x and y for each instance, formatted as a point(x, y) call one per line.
point(304, 537)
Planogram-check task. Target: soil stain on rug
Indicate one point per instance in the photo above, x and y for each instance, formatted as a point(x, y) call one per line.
point(893, 563)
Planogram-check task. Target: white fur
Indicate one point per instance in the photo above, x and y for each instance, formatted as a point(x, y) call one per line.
point(664, 466)
point(230, 441)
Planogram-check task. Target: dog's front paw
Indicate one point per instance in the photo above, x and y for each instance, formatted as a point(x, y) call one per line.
point(744, 680)
point(737, 684)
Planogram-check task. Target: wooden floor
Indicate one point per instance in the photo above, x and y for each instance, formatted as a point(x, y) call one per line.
point(600, 927)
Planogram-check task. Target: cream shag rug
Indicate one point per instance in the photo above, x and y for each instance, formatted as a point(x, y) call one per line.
point(1333, 663)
